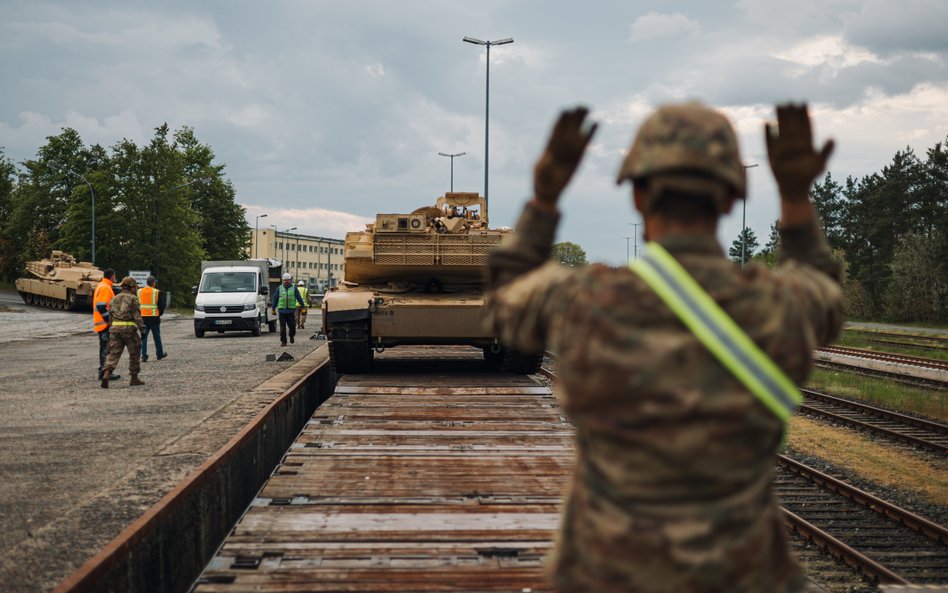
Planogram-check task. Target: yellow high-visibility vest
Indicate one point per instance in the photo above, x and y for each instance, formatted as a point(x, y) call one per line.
point(717, 331)
point(148, 297)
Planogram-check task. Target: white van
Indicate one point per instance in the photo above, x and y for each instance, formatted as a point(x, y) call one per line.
point(232, 297)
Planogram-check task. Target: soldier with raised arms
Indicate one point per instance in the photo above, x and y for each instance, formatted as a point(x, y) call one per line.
point(680, 371)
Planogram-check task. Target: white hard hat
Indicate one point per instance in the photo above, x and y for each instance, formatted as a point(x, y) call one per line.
point(287, 277)
point(300, 283)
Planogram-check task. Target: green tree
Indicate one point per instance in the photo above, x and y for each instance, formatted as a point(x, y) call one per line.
point(751, 246)
point(828, 201)
point(8, 247)
point(768, 255)
point(915, 293)
point(156, 228)
point(223, 226)
point(569, 254)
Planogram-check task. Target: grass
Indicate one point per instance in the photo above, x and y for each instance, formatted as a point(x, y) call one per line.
point(927, 402)
point(7, 285)
point(182, 311)
point(890, 466)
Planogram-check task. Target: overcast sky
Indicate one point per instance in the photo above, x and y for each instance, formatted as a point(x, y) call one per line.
point(325, 113)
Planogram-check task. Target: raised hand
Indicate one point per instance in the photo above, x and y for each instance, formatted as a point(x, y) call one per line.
point(793, 159)
point(562, 156)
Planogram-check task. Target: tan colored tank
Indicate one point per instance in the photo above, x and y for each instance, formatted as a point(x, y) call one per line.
point(59, 282)
point(417, 278)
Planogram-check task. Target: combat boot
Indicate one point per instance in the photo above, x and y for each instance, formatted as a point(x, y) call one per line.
point(136, 381)
point(106, 374)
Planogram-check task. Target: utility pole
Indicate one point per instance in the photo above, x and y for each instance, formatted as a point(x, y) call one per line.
point(744, 224)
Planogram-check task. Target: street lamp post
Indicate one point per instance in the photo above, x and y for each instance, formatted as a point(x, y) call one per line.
point(58, 167)
point(256, 233)
point(744, 224)
point(487, 44)
point(627, 250)
point(451, 156)
point(635, 235)
point(285, 243)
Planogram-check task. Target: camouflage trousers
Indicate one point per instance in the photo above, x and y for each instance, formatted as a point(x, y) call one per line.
point(121, 339)
point(300, 318)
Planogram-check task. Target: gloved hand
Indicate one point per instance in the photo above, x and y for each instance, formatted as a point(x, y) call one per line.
point(562, 156)
point(793, 159)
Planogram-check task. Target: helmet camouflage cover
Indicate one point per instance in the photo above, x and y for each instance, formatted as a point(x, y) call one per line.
point(683, 139)
point(128, 282)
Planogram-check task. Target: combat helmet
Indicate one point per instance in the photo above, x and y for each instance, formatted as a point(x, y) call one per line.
point(687, 147)
point(129, 283)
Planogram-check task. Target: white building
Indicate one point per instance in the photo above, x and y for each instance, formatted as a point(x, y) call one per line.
point(316, 260)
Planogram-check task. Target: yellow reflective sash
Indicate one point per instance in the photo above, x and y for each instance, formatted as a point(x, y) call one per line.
point(122, 323)
point(717, 331)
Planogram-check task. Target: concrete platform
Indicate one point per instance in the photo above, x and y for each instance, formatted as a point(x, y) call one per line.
point(80, 463)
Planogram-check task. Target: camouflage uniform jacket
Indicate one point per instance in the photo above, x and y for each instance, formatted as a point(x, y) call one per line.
point(125, 307)
point(671, 491)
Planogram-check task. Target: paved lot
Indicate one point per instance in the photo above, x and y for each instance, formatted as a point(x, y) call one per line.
point(79, 463)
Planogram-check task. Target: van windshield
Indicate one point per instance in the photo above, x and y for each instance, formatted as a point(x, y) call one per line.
point(228, 282)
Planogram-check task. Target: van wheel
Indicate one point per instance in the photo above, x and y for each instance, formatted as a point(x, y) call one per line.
point(255, 330)
point(198, 333)
point(272, 326)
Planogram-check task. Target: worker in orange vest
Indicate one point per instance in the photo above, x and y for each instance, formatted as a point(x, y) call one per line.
point(101, 322)
point(152, 310)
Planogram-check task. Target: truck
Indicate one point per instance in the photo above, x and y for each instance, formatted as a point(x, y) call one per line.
point(417, 278)
point(233, 296)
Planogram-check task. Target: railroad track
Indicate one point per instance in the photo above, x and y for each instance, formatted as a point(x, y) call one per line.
point(926, 363)
point(919, 432)
point(882, 541)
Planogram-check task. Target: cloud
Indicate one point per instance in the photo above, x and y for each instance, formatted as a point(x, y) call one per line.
point(320, 222)
point(905, 26)
point(655, 25)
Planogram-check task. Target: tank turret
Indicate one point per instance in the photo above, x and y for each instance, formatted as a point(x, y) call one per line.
point(59, 282)
point(417, 278)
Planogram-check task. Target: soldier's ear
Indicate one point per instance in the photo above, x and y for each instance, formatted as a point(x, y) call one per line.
point(729, 205)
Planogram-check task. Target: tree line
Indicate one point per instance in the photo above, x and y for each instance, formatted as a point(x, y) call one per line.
point(161, 207)
point(891, 230)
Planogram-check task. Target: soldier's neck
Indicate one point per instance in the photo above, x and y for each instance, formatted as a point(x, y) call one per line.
point(658, 227)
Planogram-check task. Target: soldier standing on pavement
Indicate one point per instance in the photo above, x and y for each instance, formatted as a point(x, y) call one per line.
point(303, 305)
point(285, 300)
point(678, 371)
point(127, 330)
point(101, 299)
point(153, 307)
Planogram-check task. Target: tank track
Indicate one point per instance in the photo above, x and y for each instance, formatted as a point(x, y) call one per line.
point(349, 350)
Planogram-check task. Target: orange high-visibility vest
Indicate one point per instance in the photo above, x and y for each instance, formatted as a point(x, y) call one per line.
point(103, 294)
point(148, 297)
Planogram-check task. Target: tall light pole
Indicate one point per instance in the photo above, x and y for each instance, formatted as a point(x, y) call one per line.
point(59, 167)
point(452, 164)
point(286, 232)
point(627, 250)
point(635, 234)
point(256, 233)
point(744, 224)
point(487, 44)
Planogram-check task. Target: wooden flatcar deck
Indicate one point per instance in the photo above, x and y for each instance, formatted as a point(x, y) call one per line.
point(424, 476)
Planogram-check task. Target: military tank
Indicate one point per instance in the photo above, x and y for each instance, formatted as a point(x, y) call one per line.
point(417, 278)
point(59, 282)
